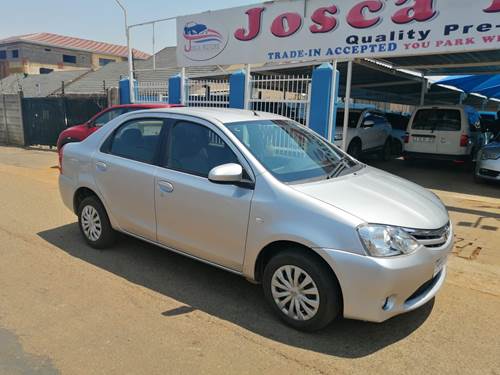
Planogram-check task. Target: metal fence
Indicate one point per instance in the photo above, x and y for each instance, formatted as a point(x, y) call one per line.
point(207, 93)
point(286, 95)
point(45, 118)
point(152, 92)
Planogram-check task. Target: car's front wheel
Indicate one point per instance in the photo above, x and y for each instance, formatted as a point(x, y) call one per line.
point(94, 223)
point(355, 149)
point(301, 290)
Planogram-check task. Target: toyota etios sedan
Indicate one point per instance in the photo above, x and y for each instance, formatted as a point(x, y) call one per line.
point(262, 196)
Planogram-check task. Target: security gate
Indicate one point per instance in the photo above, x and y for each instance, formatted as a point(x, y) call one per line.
point(206, 93)
point(152, 92)
point(286, 95)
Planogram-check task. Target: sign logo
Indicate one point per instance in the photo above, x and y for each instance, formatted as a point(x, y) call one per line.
point(202, 43)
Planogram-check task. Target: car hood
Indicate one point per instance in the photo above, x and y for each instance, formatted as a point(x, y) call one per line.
point(380, 198)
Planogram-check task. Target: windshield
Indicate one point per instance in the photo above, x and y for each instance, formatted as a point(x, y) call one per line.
point(289, 151)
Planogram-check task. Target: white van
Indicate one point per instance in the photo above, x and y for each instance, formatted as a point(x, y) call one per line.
point(443, 132)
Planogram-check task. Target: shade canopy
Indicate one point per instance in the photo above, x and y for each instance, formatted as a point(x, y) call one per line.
point(487, 85)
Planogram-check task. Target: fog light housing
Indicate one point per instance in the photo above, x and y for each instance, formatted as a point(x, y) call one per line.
point(389, 303)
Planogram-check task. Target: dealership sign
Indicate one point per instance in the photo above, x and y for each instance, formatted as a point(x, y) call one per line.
point(332, 29)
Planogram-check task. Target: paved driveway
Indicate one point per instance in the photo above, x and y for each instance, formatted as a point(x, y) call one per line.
point(138, 309)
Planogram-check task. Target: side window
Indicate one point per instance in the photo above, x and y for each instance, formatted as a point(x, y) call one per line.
point(380, 120)
point(137, 140)
point(196, 149)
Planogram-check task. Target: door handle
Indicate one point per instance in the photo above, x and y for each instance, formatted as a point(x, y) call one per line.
point(101, 166)
point(165, 186)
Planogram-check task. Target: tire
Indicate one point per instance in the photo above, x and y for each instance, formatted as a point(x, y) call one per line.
point(397, 148)
point(478, 179)
point(94, 223)
point(354, 149)
point(386, 152)
point(327, 299)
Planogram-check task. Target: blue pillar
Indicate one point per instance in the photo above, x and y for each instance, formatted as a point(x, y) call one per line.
point(237, 90)
point(321, 92)
point(174, 89)
point(124, 88)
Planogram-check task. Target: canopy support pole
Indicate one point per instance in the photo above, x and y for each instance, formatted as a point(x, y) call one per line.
point(183, 85)
point(333, 98)
point(423, 90)
point(347, 103)
point(246, 99)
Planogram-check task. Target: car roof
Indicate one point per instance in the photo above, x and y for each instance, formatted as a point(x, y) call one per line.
point(224, 115)
point(145, 105)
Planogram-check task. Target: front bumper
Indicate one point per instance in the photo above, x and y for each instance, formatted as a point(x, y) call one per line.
point(376, 289)
point(488, 169)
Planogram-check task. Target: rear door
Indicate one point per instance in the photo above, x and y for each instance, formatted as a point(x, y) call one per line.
point(449, 129)
point(422, 134)
point(125, 174)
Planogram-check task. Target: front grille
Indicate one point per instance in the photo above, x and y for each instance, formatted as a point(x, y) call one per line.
point(433, 238)
point(489, 172)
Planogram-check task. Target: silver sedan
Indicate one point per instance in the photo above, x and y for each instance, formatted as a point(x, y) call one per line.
point(488, 162)
point(264, 197)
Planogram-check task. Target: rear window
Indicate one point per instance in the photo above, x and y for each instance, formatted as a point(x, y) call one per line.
point(437, 119)
point(398, 122)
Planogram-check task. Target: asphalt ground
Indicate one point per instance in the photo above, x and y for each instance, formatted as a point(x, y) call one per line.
point(137, 309)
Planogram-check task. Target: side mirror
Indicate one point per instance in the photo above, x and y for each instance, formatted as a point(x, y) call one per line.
point(368, 123)
point(231, 173)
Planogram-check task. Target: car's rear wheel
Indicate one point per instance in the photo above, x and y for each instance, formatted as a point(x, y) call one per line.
point(94, 223)
point(301, 290)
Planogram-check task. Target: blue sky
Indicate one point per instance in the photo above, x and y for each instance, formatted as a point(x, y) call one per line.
point(102, 19)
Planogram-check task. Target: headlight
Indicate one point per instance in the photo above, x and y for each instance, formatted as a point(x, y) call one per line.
point(386, 241)
point(490, 155)
point(338, 137)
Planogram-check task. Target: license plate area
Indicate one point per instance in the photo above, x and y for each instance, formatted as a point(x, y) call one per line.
point(424, 138)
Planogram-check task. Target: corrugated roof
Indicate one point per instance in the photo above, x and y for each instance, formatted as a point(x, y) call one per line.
point(62, 41)
point(478, 62)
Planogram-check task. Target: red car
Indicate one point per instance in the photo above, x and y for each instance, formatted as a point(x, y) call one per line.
point(78, 133)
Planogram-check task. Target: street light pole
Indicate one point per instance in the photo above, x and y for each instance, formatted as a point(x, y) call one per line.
point(130, 56)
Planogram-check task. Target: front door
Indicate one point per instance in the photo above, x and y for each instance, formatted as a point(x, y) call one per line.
point(368, 133)
point(196, 216)
point(125, 175)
